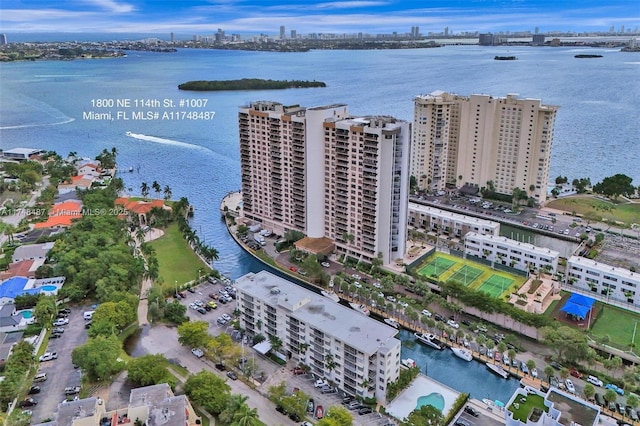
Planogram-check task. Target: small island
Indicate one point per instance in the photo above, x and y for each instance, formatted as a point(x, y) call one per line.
point(588, 56)
point(505, 58)
point(248, 84)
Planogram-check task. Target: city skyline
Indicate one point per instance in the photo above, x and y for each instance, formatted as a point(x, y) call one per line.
point(369, 16)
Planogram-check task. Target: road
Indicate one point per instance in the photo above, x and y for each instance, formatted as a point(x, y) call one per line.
point(155, 342)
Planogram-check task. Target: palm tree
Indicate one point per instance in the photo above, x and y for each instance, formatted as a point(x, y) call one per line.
point(549, 372)
point(156, 187)
point(167, 193)
point(245, 416)
point(234, 403)
point(531, 364)
point(144, 189)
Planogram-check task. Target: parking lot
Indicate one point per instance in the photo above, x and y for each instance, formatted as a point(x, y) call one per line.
point(60, 372)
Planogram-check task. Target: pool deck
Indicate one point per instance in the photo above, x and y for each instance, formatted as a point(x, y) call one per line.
point(407, 400)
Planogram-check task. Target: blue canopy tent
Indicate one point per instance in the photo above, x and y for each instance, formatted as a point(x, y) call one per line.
point(578, 306)
point(582, 300)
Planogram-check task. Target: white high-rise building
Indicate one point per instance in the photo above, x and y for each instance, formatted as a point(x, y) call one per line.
point(327, 174)
point(357, 354)
point(471, 140)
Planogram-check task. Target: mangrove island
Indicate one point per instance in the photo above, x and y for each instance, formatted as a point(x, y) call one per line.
point(247, 84)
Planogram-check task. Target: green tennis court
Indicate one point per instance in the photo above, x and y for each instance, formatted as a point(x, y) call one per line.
point(466, 275)
point(436, 267)
point(496, 285)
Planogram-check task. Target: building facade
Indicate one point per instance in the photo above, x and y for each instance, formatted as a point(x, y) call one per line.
point(448, 223)
point(516, 254)
point(478, 139)
point(605, 282)
point(359, 355)
point(327, 174)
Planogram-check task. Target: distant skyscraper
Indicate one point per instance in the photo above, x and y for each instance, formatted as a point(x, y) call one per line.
point(339, 179)
point(3, 39)
point(417, 31)
point(622, 29)
point(446, 31)
point(172, 38)
point(283, 34)
point(485, 39)
point(294, 34)
point(538, 39)
point(537, 30)
point(611, 29)
point(471, 140)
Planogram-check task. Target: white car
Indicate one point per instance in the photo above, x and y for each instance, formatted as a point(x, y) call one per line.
point(403, 304)
point(356, 277)
point(357, 285)
point(377, 285)
point(569, 384)
point(321, 383)
point(61, 321)
point(193, 306)
point(391, 299)
point(426, 313)
point(595, 381)
point(325, 264)
point(48, 356)
point(226, 317)
point(197, 352)
point(453, 324)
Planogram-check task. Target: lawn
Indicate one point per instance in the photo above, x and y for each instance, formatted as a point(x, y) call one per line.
point(523, 406)
point(616, 323)
point(628, 213)
point(177, 261)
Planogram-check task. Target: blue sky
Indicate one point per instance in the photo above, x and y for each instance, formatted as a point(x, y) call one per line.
point(307, 16)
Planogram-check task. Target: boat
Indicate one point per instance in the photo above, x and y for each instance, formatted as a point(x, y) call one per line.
point(360, 308)
point(330, 295)
point(429, 340)
point(130, 169)
point(319, 412)
point(488, 402)
point(393, 323)
point(497, 369)
point(409, 363)
point(462, 353)
point(128, 133)
point(587, 56)
point(505, 58)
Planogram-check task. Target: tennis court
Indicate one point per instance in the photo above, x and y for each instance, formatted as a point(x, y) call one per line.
point(466, 275)
point(496, 285)
point(436, 267)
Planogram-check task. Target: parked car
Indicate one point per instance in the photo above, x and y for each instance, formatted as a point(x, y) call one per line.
point(34, 390)
point(438, 317)
point(72, 390)
point(294, 417)
point(618, 390)
point(55, 335)
point(365, 410)
point(202, 310)
point(48, 356)
point(221, 367)
point(575, 373)
point(29, 402)
point(470, 410)
point(65, 311)
point(232, 375)
point(197, 352)
point(452, 323)
point(58, 330)
point(599, 399)
point(426, 313)
point(570, 387)
point(280, 409)
point(297, 371)
point(61, 321)
point(320, 383)
point(595, 381)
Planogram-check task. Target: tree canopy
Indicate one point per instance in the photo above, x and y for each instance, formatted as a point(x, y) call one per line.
point(336, 415)
point(208, 390)
point(150, 370)
point(569, 344)
point(425, 415)
point(194, 334)
point(99, 357)
point(614, 186)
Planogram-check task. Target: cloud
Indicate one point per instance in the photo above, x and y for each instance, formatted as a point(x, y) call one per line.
point(112, 6)
point(348, 4)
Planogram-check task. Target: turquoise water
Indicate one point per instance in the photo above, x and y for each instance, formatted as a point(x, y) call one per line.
point(49, 288)
point(27, 314)
point(434, 399)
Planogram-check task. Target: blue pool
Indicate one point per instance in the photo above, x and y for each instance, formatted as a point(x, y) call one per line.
point(435, 399)
point(49, 288)
point(26, 314)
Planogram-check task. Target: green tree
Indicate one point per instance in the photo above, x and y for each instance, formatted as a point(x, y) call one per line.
point(194, 334)
point(632, 401)
point(277, 392)
point(246, 416)
point(175, 313)
point(425, 415)
point(531, 364)
point(336, 415)
point(569, 344)
point(588, 391)
point(614, 186)
point(207, 390)
point(610, 395)
point(150, 370)
point(45, 309)
point(99, 357)
point(295, 403)
point(234, 403)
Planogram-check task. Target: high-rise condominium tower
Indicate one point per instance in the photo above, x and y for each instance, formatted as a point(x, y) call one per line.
point(327, 174)
point(471, 140)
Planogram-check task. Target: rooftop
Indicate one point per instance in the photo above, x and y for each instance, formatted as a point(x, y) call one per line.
point(573, 411)
point(514, 243)
point(32, 251)
point(453, 216)
point(594, 264)
point(347, 325)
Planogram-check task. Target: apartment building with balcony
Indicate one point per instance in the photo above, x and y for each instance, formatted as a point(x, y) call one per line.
point(448, 223)
point(604, 282)
point(513, 253)
point(359, 355)
point(327, 174)
point(471, 140)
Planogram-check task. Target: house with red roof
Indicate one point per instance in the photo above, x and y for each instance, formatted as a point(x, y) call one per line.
point(62, 215)
point(140, 207)
point(77, 182)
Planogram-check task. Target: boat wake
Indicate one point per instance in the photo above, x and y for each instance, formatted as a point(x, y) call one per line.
point(24, 126)
point(166, 141)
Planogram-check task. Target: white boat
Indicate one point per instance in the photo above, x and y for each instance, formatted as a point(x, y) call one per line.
point(428, 339)
point(330, 295)
point(360, 308)
point(488, 402)
point(409, 363)
point(497, 369)
point(393, 323)
point(462, 353)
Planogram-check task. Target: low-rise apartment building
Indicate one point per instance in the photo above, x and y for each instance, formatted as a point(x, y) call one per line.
point(361, 356)
point(513, 253)
point(606, 282)
point(448, 223)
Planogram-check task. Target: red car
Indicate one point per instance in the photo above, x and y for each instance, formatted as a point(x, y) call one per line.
point(575, 373)
point(293, 269)
point(297, 371)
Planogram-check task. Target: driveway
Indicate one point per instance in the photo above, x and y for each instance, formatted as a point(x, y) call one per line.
point(60, 372)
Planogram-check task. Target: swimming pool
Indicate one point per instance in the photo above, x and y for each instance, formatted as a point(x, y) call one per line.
point(434, 399)
point(49, 288)
point(26, 314)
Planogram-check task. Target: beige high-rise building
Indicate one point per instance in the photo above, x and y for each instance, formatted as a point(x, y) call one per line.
point(327, 174)
point(471, 140)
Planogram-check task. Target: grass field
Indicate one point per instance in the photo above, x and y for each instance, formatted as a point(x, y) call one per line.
point(477, 274)
point(618, 324)
point(628, 213)
point(495, 285)
point(177, 261)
